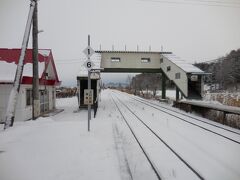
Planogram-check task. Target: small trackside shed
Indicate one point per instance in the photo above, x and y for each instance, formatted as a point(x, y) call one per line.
point(48, 80)
point(82, 84)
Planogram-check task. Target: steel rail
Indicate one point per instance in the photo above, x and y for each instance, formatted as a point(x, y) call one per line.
point(235, 141)
point(171, 149)
point(135, 137)
point(142, 100)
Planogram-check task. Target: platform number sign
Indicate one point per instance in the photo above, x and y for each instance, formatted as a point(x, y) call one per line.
point(88, 96)
point(88, 51)
point(89, 64)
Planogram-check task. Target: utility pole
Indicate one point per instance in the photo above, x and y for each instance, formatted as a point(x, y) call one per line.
point(35, 83)
point(12, 100)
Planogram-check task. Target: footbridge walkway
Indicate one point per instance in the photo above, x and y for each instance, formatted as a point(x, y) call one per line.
point(187, 78)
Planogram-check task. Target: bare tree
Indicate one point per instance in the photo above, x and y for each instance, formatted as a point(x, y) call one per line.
point(129, 82)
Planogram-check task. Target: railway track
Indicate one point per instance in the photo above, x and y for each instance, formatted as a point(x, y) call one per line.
point(171, 113)
point(184, 114)
point(177, 155)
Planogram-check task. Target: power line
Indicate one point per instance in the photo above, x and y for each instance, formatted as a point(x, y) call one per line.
point(68, 63)
point(75, 62)
point(191, 3)
point(76, 59)
point(217, 2)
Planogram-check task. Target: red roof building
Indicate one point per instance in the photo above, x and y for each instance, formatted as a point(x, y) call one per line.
point(46, 66)
point(48, 80)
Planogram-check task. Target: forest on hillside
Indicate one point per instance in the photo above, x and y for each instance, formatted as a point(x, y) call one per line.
point(225, 71)
point(148, 81)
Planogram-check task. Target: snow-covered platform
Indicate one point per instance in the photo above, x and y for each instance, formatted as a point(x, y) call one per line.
point(219, 107)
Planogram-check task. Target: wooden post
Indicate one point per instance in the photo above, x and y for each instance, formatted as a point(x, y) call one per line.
point(12, 101)
point(35, 83)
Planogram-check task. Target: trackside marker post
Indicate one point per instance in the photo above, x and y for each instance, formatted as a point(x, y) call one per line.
point(88, 51)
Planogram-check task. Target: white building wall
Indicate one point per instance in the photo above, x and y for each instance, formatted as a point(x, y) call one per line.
point(182, 83)
point(23, 112)
point(4, 94)
point(131, 60)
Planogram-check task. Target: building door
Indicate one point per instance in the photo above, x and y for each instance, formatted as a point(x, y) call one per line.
point(44, 101)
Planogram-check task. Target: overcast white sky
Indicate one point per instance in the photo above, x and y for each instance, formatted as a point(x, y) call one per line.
point(193, 31)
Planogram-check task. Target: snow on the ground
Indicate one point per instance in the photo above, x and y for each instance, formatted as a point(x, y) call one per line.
point(170, 93)
point(60, 147)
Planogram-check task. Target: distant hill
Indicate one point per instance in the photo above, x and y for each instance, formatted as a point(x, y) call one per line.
point(225, 71)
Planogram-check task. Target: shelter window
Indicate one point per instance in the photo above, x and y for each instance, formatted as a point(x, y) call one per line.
point(28, 97)
point(177, 76)
point(161, 60)
point(145, 60)
point(168, 68)
point(115, 59)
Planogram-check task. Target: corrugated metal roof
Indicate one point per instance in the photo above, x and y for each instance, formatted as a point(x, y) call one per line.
point(187, 67)
point(12, 55)
point(146, 52)
point(9, 60)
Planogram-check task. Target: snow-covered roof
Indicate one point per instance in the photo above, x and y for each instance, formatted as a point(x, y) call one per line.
point(8, 70)
point(128, 52)
point(187, 67)
point(44, 52)
point(9, 59)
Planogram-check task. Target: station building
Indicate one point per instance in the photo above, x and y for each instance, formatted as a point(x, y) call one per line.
point(48, 81)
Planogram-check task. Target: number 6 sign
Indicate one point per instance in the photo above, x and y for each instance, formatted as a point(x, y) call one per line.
point(89, 65)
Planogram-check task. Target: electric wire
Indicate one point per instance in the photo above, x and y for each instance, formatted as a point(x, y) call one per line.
point(194, 4)
point(217, 2)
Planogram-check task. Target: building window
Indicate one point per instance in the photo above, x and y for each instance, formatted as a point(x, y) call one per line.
point(28, 97)
point(115, 59)
point(177, 76)
point(145, 60)
point(194, 78)
point(168, 68)
point(161, 60)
